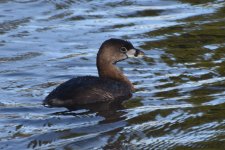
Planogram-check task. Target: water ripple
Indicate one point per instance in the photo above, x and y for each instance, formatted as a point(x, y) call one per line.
point(179, 103)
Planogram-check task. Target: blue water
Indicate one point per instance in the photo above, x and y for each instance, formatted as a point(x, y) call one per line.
point(179, 103)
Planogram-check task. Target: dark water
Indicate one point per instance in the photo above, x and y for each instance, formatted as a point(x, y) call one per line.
point(180, 102)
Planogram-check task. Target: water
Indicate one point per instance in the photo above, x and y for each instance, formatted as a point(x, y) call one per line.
point(179, 103)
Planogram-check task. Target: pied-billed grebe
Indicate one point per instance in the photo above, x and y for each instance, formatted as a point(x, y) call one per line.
point(111, 85)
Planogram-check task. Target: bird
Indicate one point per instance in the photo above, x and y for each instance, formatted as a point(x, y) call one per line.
point(111, 85)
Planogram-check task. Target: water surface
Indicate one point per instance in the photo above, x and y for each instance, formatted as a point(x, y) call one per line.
point(179, 103)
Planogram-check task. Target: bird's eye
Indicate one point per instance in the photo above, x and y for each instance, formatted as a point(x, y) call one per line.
point(123, 49)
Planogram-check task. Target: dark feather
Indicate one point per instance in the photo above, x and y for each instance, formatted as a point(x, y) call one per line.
point(87, 90)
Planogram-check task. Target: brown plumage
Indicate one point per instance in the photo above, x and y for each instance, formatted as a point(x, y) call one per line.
point(111, 85)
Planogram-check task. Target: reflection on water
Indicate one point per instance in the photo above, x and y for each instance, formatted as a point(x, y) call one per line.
point(179, 103)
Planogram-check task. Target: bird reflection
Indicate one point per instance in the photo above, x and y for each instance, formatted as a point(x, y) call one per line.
point(110, 111)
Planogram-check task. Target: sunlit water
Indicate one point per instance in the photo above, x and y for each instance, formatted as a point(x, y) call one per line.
point(179, 103)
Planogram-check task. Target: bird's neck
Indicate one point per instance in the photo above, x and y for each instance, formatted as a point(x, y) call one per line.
point(109, 70)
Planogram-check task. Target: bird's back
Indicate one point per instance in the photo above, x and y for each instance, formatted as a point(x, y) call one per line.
point(87, 90)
